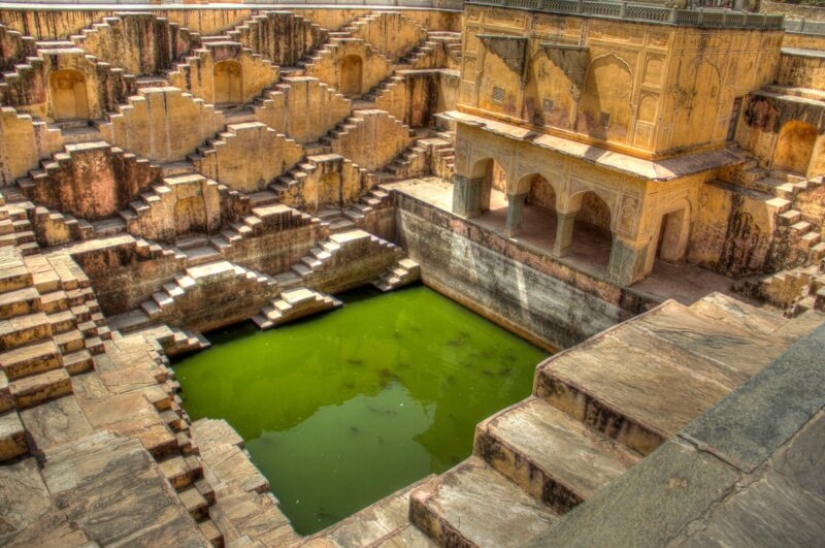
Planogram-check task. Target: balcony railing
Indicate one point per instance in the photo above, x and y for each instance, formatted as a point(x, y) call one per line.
point(644, 13)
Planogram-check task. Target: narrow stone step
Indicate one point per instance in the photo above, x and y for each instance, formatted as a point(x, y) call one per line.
point(22, 330)
point(722, 308)
point(12, 437)
point(181, 472)
point(19, 302)
point(472, 505)
point(549, 454)
point(36, 389)
point(29, 360)
point(70, 341)
point(78, 362)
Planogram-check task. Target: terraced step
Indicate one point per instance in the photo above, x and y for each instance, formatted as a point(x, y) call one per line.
point(22, 330)
point(19, 302)
point(474, 506)
point(12, 437)
point(643, 381)
point(294, 304)
point(549, 454)
point(29, 360)
point(37, 389)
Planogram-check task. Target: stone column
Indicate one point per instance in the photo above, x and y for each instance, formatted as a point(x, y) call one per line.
point(564, 233)
point(515, 214)
point(627, 261)
point(468, 196)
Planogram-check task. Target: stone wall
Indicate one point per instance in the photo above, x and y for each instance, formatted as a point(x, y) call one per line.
point(732, 231)
point(650, 90)
point(90, 180)
point(802, 71)
point(416, 96)
point(162, 124)
point(247, 157)
point(350, 65)
point(303, 108)
point(283, 37)
point(546, 302)
point(391, 33)
point(371, 138)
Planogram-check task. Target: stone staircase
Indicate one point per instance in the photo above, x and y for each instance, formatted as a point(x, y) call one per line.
point(441, 49)
point(596, 410)
point(347, 138)
point(346, 260)
point(403, 273)
point(51, 329)
point(389, 32)
point(15, 227)
point(16, 86)
point(294, 304)
point(798, 236)
point(794, 291)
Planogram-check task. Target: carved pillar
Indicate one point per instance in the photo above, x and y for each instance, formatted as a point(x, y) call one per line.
point(468, 196)
point(627, 261)
point(564, 233)
point(515, 214)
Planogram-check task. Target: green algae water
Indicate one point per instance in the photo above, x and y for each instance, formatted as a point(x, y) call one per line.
point(341, 410)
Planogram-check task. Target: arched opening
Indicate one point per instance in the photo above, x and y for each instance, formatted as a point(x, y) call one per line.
point(531, 211)
point(591, 237)
point(794, 147)
point(228, 82)
point(190, 215)
point(68, 91)
point(672, 243)
point(351, 75)
point(604, 107)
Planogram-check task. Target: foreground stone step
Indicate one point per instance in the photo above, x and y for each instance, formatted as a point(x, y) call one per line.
point(22, 330)
point(31, 359)
point(114, 491)
point(644, 380)
point(375, 525)
point(19, 302)
point(472, 505)
point(12, 437)
point(38, 389)
point(552, 456)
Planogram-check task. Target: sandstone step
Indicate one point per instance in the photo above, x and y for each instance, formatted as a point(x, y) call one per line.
point(549, 454)
point(22, 330)
point(675, 364)
point(472, 505)
point(181, 472)
point(70, 341)
point(19, 302)
point(36, 389)
point(78, 362)
point(405, 537)
point(54, 301)
point(12, 437)
point(29, 360)
point(720, 307)
point(14, 277)
point(375, 524)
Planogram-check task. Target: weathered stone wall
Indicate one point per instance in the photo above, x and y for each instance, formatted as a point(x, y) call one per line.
point(731, 232)
point(548, 303)
point(90, 181)
point(351, 66)
point(274, 251)
point(372, 139)
point(647, 89)
point(802, 71)
point(283, 37)
point(334, 18)
point(784, 133)
point(18, 145)
point(418, 95)
point(325, 180)
point(248, 157)
point(224, 72)
point(162, 124)
point(65, 84)
point(303, 108)
point(14, 48)
point(391, 33)
point(124, 272)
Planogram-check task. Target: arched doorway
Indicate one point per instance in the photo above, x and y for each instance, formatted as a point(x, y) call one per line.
point(350, 80)
point(190, 215)
point(68, 91)
point(591, 238)
point(672, 243)
point(794, 147)
point(228, 82)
